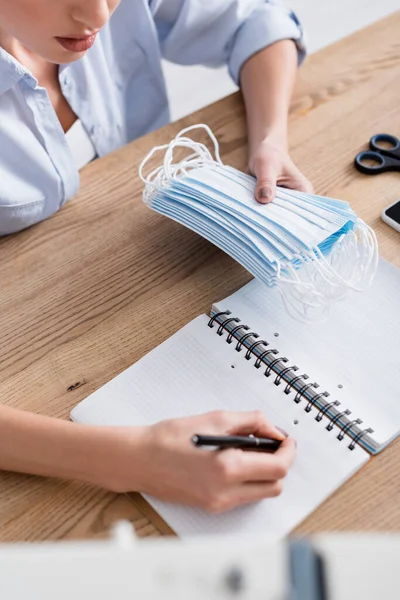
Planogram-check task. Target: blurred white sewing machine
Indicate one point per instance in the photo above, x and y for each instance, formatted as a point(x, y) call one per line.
point(323, 567)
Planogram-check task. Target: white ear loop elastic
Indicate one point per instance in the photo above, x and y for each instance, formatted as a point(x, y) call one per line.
point(351, 263)
point(333, 286)
point(167, 171)
point(359, 255)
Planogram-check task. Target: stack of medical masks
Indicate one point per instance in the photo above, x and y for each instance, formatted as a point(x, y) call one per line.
point(312, 248)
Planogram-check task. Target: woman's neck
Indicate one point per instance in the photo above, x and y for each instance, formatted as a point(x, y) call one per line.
point(46, 74)
point(44, 71)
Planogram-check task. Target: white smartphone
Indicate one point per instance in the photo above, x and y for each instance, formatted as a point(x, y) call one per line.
point(391, 215)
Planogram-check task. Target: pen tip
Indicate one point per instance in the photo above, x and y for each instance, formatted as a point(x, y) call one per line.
point(195, 439)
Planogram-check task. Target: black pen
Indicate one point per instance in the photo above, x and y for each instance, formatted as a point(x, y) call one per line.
point(236, 441)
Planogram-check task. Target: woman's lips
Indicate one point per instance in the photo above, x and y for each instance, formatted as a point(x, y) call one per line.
point(77, 44)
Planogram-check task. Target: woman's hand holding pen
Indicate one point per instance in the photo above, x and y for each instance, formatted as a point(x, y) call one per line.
point(160, 460)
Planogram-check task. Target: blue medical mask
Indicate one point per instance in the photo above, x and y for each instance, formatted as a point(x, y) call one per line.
point(227, 241)
point(322, 216)
point(312, 248)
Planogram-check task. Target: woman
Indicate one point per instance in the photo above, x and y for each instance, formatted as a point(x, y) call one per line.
point(78, 79)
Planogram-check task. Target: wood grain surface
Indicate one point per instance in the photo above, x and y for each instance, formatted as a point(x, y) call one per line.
point(90, 291)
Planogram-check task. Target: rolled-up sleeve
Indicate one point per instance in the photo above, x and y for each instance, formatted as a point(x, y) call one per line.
point(214, 33)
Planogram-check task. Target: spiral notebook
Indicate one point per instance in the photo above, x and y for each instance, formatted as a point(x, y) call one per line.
point(334, 387)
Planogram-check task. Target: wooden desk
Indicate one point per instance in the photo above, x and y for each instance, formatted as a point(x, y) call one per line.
point(87, 293)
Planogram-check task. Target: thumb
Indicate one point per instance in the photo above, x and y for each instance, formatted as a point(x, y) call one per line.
point(265, 187)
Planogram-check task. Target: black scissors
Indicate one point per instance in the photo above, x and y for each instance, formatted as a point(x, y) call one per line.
point(385, 158)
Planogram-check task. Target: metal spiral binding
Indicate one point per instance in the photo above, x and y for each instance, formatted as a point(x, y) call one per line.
point(347, 427)
point(325, 409)
point(234, 331)
point(263, 355)
point(293, 382)
point(336, 418)
point(358, 437)
point(303, 389)
point(253, 346)
point(279, 377)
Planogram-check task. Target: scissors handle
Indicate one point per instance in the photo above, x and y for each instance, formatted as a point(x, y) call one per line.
point(377, 140)
point(383, 163)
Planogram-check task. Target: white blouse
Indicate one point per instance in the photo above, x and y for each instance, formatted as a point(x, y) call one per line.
point(117, 90)
point(80, 144)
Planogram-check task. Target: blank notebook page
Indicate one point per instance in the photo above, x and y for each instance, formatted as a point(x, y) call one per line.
point(358, 347)
point(196, 371)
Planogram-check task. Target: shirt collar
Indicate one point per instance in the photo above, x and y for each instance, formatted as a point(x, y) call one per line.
point(11, 72)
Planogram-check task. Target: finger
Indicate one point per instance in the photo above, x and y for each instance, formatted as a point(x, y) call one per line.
point(253, 492)
point(263, 466)
point(245, 494)
point(303, 185)
point(297, 181)
point(244, 423)
point(236, 466)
